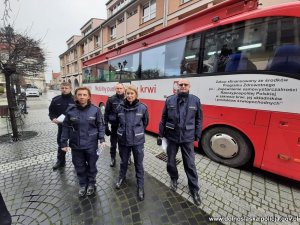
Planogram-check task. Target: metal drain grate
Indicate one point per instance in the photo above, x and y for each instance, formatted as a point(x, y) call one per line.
point(163, 156)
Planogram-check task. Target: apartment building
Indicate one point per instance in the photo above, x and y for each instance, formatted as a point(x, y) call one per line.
point(126, 21)
point(80, 48)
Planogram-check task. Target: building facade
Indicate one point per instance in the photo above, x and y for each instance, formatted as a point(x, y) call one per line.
point(126, 21)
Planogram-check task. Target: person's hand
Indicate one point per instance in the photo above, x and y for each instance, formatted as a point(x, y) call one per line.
point(66, 149)
point(55, 121)
point(107, 131)
point(159, 141)
point(101, 145)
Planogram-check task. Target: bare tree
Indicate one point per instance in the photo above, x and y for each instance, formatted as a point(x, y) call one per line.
point(19, 55)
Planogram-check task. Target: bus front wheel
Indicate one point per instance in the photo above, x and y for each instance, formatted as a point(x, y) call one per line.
point(227, 146)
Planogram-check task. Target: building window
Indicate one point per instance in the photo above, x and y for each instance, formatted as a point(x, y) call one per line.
point(113, 32)
point(119, 6)
point(149, 11)
point(131, 13)
point(96, 41)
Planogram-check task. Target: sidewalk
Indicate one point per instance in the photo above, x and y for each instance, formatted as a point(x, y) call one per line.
point(35, 194)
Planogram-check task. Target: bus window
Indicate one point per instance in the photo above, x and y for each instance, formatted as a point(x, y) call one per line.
point(153, 62)
point(249, 45)
point(173, 57)
point(125, 68)
point(189, 63)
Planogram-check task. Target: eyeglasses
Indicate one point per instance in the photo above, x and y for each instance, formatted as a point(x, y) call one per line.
point(183, 85)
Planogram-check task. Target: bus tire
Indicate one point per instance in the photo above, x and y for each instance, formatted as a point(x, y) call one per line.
point(227, 146)
point(102, 107)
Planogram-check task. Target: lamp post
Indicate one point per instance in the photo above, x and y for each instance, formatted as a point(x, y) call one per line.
point(121, 67)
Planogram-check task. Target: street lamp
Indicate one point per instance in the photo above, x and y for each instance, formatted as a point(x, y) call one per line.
point(122, 66)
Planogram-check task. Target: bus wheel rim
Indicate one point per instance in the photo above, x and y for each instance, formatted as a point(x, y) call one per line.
point(224, 145)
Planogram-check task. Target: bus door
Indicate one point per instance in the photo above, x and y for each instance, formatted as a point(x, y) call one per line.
point(282, 153)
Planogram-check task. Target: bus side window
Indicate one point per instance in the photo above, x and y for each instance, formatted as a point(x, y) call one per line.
point(286, 59)
point(239, 62)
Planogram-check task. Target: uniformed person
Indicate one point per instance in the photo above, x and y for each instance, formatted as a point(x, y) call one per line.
point(132, 118)
point(110, 117)
point(181, 125)
point(58, 106)
point(83, 128)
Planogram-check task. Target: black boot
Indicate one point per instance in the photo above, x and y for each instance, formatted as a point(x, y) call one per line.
point(113, 162)
point(58, 165)
point(90, 190)
point(173, 185)
point(119, 183)
point(141, 194)
point(196, 197)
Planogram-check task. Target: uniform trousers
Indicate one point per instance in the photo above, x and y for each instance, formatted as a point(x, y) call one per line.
point(188, 158)
point(138, 156)
point(113, 141)
point(61, 155)
point(84, 161)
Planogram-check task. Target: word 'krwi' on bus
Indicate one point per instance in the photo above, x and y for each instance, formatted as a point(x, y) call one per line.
point(256, 122)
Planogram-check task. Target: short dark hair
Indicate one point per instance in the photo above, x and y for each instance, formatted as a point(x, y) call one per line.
point(66, 84)
point(83, 88)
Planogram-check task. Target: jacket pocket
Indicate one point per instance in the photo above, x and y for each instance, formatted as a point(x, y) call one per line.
point(120, 131)
point(139, 135)
point(92, 133)
point(170, 125)
point(190, 127)
point(91, 120)
point(138, 131)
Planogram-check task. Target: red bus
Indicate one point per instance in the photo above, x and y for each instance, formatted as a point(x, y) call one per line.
point(242, 62)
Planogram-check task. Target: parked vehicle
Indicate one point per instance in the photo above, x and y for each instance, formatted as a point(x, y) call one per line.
point(32, 92)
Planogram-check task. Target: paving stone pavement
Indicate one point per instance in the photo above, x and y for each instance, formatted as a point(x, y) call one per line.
point(233, 196)
point(34, 194)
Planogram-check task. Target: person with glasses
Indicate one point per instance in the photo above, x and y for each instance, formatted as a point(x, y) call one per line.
point(181, 125)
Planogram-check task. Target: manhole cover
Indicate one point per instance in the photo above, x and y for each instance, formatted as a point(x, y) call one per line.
point(24, 135)
point(163, 156)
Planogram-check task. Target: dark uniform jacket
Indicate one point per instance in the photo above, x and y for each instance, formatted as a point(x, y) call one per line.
point(59, 105)
point(181, 118)
point(132, 120)
point(110, 115)
point(83, 127)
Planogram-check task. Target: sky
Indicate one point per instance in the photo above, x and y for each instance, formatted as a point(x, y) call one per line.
point(53, 21)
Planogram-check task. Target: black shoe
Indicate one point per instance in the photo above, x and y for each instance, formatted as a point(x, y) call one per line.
point(90, 190)
point(173, 185)
point(119, 183)
point(58, 165)
point(129, 161)
point(113, 162)
point(141, 194)
point(196, 198)
point(82, 191)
